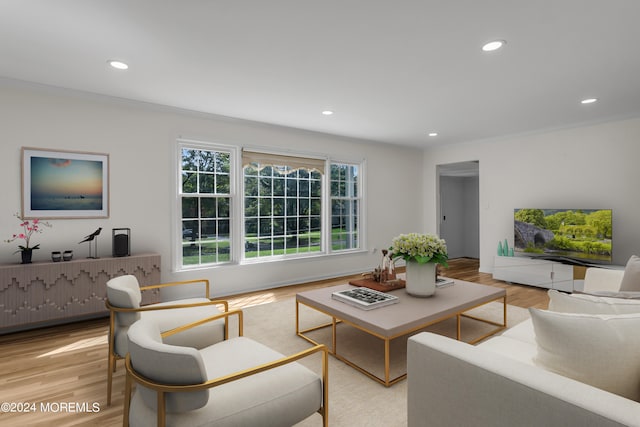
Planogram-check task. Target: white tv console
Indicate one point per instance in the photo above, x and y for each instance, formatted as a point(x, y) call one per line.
point(543, 273)
point(539, 272)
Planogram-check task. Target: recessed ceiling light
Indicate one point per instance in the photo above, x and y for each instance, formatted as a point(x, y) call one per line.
point(117, 64)
point(327, 112)
point(433, 134)
point(589, 100)
point(493, 45)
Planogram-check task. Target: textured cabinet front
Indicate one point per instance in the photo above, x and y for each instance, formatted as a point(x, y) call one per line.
point(46, 293)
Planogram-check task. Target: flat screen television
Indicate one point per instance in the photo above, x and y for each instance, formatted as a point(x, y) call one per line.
point(578, 236)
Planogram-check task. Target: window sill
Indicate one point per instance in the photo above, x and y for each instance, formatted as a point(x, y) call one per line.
point(253, 261)
point(303, 257)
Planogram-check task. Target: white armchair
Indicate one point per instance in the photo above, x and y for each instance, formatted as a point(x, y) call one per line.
point(602, 280)
point(124, 299)
point(237, 382)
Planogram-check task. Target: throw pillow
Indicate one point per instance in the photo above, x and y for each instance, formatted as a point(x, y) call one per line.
point(590, 304)
point(631, 278)
point(600, 350)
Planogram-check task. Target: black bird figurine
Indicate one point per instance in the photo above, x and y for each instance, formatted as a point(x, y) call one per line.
point(91, 236)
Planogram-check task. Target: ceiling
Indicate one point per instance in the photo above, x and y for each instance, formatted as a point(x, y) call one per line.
point(392, 71)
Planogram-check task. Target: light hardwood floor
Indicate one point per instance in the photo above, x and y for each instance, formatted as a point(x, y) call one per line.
point(68, 363)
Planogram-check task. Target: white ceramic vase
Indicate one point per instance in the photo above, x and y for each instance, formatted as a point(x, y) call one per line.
point(421, 279)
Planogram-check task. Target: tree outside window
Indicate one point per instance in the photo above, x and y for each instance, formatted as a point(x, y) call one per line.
point(281, 212)
point(205, 206)
point(345, 206)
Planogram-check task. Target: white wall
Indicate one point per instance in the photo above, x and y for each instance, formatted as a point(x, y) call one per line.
point(471, 217)
point(587, 167)
point(140, 140)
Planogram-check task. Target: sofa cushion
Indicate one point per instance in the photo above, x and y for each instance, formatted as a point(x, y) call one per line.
point(511, 348)
point(523, 331)
point(599, 350)
point(619, 294)
point(631, 277)
point(591, 304)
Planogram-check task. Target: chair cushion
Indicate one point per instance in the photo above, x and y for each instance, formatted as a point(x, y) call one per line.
point(282, 396)
point(631, 277)
point(167, 364)
point(599, 350)
point(124, 292)
point(591, 304)
point(198, 337)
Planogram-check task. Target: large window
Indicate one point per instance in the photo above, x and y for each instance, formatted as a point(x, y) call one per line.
point(205, 202)
point(282, 205)
point(287, 206)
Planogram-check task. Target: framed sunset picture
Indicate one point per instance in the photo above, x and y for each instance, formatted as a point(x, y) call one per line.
point(64, 184)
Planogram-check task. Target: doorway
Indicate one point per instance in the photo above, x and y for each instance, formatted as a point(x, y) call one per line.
point(459, 208)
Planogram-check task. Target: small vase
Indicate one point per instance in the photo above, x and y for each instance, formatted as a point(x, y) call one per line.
point(26, 256)
point(421, 279)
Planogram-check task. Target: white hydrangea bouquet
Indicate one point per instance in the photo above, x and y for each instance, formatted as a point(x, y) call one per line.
point(421, 248)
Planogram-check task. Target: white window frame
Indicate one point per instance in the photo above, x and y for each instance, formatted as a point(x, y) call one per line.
point(361, 206)
point(233, 226)
point(295, 160)
point(237, 213)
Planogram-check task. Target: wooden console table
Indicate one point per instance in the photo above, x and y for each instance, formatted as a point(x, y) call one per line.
point(48, 293)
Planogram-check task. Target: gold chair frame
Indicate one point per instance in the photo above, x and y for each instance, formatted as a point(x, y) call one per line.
point(134, 377)
point(113, 357)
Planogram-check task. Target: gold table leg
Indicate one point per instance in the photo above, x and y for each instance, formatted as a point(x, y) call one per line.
point(386, 381)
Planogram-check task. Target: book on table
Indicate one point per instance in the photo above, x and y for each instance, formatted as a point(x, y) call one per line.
point(365, 298)
point(443, 282)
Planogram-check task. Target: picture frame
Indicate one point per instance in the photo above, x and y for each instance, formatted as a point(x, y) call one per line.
point(59, 184)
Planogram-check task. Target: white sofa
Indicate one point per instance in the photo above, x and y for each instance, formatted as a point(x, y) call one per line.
point(500, 382)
